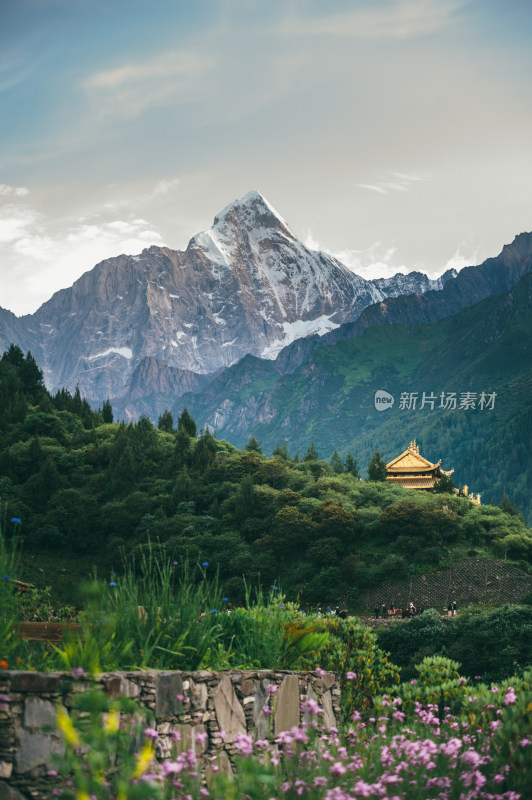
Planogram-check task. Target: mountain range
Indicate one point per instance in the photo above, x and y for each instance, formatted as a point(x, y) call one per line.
point(330, 398)
point(255, 333)
point(164, 318)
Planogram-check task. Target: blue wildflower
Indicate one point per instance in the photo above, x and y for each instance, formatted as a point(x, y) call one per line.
point(225, 599)
point(113, 583)
point(6, 577)
point(205, 564)
point(275, 588)
point(215, 611)
point(16, 519)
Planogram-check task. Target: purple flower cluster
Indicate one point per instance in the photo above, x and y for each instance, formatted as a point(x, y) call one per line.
point(427, 759)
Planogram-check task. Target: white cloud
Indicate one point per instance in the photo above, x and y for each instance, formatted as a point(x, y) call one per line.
point(373, 188)
point(377, 261)
point(164, 187)
point(393, 182)
point(41, 256)
point(465, 255)
point(13, 191)
point(393, 20)
point(129, 90)
point(15, 221)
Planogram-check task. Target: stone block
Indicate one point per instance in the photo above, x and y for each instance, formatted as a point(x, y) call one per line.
point(39, 713)
point(168, 685)
point(10, 793)
point(229, 712)
point(35, 682)
point(287, 713)
point(328, 680)
point(35, 749)
point(118, 686)
point(6, 768)
point(261, 721)
point(329, 719)
point(247, 687)
point(188, 739)
point(198, 694)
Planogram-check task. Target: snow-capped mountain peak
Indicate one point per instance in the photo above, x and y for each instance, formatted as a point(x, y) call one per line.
point(252, 213)
point(245, 286)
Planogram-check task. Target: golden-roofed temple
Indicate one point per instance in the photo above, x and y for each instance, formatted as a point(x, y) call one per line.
point(413, 471)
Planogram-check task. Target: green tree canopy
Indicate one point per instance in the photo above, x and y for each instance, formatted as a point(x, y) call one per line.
point(166, 421)
point(377, 467)
point(107, 412)
point(253, 446)
point(187, 424)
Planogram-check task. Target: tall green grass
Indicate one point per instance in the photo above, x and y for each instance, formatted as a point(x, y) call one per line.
point(155, 615)
point(9, 553)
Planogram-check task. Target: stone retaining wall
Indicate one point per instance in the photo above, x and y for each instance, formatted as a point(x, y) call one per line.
point(234, 702)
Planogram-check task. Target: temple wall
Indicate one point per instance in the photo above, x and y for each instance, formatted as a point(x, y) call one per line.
point(233, 702)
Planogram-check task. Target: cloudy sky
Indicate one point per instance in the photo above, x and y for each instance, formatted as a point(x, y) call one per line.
point(394, 133)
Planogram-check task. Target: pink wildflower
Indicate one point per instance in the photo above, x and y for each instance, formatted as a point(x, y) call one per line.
point(338, 768)
point(243, 743)
point(471, 757)
point(510, 696)
point(310, 706)
point(298, 734)
point(172, 767)
point(351, 676)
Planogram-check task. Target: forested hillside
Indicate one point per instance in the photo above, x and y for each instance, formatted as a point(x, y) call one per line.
point(78, 491)
point(330, 398)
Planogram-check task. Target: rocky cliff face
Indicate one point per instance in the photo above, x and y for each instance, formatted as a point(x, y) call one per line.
point(329, 398)
point(454, 292)
point(247, 285)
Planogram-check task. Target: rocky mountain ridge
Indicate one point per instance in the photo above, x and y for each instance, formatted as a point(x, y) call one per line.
point(330, 397)
point(245, 286)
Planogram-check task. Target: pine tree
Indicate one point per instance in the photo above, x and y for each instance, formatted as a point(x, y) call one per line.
point(377, 467)
point(253, 446)
point(31, 376)
point(336, 463)
point(351, 465)
point(281, 451)
point(107, 411)
point(445, 485)
point(187, 424)
point(312, 453)
point(166, 421)
point(507, 505)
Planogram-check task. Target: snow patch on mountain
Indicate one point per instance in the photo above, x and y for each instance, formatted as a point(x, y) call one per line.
point(212, 248)
point(298, 329)
point(127, 352)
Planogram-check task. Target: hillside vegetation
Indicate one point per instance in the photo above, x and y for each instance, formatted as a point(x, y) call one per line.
point(79, 491)
point(330, 397)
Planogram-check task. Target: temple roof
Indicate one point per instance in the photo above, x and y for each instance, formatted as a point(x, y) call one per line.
point(411, 461)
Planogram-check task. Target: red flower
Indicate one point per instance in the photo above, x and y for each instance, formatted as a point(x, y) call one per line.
point(4, 664)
